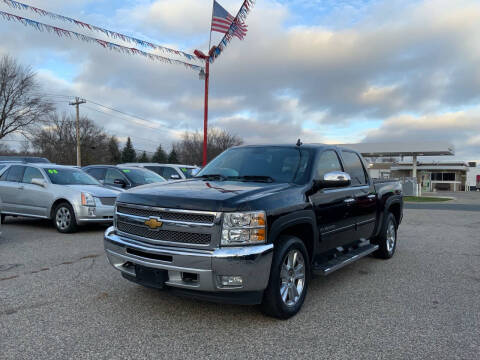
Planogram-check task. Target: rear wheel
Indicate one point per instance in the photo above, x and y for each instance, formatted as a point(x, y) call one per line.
point(64, 218)
point(387, 241)
point(289, 279)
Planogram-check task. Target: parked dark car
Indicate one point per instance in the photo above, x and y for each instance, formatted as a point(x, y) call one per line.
point(123, 177)
point(255, 224)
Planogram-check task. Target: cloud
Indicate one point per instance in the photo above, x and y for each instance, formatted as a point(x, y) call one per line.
point(408, 64)
point(460, 128)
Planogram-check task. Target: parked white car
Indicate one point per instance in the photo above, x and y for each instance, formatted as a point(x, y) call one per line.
point(169, 171)
point(67, 195)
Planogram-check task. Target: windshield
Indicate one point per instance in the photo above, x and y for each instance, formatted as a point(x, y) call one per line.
point(189, 172)
point(269, 163)
point(142, 176)
point(66, 176)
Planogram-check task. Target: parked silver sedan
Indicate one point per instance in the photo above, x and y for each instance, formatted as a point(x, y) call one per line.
point(67, 195)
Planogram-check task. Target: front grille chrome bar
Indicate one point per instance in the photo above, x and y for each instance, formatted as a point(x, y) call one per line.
point(196, 228)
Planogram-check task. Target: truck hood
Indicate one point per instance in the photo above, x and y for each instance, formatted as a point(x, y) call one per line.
point(200, 194)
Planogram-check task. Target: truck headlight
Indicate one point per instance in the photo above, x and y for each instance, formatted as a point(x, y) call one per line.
point(245, 228)
point(88, 199)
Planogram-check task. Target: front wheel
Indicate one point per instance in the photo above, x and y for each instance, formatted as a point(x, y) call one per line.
point(64, 218)
point(289, 279)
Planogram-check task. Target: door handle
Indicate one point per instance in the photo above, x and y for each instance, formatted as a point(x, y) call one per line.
point(349, 201)
point(21, 187)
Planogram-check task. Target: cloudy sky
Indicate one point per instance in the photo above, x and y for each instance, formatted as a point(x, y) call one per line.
point(335, 71)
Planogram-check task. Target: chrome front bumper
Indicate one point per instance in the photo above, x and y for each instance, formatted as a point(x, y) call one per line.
point(252, 263)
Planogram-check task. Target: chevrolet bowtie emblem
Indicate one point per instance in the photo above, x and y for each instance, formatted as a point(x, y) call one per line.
point(153, 223)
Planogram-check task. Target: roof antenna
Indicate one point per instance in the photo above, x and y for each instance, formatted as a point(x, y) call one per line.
point(299, 143)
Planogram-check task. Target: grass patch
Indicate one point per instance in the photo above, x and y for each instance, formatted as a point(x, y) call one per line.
point(424, 199)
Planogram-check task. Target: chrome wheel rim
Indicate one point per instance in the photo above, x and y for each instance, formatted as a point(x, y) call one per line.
point(292, 277)
point(391, 236)
point(63, 218)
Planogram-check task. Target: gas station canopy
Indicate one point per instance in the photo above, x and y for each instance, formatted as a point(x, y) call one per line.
point(402, 149)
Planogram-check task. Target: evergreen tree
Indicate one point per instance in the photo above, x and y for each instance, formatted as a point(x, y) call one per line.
point(114, 153)
point(128, 153)
point(160, 156)
point(143, 158)
point(172, 157)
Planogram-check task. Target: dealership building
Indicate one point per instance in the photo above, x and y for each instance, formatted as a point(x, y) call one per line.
point(389, 160)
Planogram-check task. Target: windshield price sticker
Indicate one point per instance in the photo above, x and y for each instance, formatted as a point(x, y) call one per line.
point(126, 170)
point(52, 171)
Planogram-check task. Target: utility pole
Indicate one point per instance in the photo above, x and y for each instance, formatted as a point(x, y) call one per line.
point(77, 103)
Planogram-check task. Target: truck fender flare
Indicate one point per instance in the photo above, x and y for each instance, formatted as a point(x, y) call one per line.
point(306, 217)
point(381, 219)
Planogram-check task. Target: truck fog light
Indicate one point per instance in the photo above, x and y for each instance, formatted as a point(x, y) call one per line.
point(92, 211)
point(231, 280)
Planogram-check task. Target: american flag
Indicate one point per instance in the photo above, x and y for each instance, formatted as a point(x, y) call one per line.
point(222, 21)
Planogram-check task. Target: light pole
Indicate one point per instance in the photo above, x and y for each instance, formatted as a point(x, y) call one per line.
point(205, 75)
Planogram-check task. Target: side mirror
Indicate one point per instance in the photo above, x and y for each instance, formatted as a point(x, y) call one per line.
point(39, 182)
point(175, 177)
point(334, 179)
point(120, 182)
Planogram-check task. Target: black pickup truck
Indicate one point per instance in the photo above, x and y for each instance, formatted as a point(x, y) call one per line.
point(255, 224)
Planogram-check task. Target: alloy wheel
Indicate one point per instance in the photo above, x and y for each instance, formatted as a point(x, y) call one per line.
point(391, 236)
point(292, 277)
point(63, 218)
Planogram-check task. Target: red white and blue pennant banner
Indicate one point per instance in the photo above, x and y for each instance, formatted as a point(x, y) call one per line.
point(235, 28)
point(105, 44)
point(111, 34)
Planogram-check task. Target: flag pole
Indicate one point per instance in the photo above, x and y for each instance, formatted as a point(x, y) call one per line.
point(207, 77)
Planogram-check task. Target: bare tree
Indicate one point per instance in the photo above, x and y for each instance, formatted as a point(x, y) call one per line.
point(57, 141)
point(21, 106)
point(190, 148)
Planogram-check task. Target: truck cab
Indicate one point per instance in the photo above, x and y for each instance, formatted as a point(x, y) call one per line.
point(255, 224)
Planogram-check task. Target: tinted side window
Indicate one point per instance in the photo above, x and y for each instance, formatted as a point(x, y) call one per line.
point(327, 162)
point(354, 167)
point(156, 169)
point(167, 172)
point(97, 173)
point(4, 175)
point(114, 174)
point(16, 173)
point(32, 173)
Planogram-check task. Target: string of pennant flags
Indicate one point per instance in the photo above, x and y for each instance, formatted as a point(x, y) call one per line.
point(109, 33)
point(227, 38)
point(105, 44)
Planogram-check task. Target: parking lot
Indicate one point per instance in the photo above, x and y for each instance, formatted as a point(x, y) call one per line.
point(60, 299)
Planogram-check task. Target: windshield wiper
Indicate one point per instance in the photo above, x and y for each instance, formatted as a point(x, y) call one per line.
point(252, 178)
point(211, 177)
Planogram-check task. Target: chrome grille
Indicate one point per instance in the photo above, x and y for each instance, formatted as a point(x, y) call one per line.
point(108, 201)
point(164, 215)
point(164, 235)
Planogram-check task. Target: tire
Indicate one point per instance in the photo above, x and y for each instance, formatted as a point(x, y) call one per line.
point(387, 240)
point(287, 286)
point(3, 219)
point(64, 218)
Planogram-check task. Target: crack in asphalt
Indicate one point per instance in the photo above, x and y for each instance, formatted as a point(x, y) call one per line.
point(14, 310)
point(12, 266)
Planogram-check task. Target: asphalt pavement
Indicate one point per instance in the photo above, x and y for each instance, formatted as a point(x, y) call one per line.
point(59, 299)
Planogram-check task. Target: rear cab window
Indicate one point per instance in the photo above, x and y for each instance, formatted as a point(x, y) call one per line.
point(354, 167)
